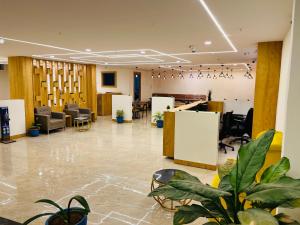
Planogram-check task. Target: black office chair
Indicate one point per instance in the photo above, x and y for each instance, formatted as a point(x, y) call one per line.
point(225, 131)
point(242, 128)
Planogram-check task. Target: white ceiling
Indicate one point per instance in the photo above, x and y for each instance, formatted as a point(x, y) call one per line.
point(118, 31)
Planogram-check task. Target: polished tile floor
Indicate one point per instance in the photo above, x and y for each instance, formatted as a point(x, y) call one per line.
point(111, 165)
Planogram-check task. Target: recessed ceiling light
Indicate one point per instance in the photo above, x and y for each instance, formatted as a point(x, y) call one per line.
point(143, 52)
point(106, 63)
point(88, 50)
point(178, 61)
point(2, 41)
point(207, 42)
point(52, 56)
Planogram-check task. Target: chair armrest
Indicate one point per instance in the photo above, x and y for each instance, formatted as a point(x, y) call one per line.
point(84, 111)
point(73, 113)
point(58, 115)
point(42, 120)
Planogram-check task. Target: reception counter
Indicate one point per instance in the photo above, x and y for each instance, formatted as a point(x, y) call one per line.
point(190, 137)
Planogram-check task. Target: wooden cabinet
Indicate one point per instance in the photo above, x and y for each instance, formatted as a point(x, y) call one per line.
point(104, 103)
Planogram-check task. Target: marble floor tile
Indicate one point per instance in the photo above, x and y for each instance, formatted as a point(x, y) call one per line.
point(111, 165)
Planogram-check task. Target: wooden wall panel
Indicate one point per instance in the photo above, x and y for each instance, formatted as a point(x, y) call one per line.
point(267, 85)
point(169, 134)
point(21, 85)
point(91, 88)
point(58, 83)
point(214, 106)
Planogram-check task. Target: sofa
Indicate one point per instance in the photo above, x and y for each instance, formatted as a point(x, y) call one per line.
point(49, 120)
point(74, 111)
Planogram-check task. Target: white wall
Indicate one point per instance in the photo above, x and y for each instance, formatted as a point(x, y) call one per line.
point(292, 124)
point(16, 110)
point(284, 82)
point(125, 81)
point(160, 104)
point(4, 84)
point(122, 102)
point(240, 87)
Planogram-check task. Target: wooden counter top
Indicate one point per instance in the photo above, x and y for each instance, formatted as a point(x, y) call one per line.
point(187, 106)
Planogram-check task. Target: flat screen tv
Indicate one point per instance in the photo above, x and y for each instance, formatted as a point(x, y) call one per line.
point(109, 79)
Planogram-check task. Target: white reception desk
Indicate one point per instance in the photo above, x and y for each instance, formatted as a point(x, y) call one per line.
point(197, 139)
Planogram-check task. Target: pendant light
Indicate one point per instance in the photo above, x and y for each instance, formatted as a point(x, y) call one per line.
point(214, 77)
point(227, 72)
point(200, 75)
point(152, 74)
point(191, 73)
point(172, 76)
point(222, 75)
point(208, 74)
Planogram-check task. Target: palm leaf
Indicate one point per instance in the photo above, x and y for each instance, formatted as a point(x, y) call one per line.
point(36, 217)
point(81, 201)
point(257, 217)
point(274, 172)
point(251, 158)
point(50, 202)
point(182, 175)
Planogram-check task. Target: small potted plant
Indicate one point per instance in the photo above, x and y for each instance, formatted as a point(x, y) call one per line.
point(159, 119)
point(68, 216)
point(34, 130)
point(120, 116)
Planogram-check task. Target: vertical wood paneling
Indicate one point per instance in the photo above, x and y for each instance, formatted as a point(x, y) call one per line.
point(169, 134)
point(91, 88)
point(21, 85)
point(266, 86)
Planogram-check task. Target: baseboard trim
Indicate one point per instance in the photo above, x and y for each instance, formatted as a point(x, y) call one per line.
point(125, 121)
point(18, 136)
point(195, 164)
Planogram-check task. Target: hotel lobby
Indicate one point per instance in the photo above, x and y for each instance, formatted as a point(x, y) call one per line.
point(149, 112)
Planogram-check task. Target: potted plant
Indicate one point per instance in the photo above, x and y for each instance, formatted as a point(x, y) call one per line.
point(241, 197)
point(159, 119)
point(68, 216)
point(120, 116)
point(34, 130)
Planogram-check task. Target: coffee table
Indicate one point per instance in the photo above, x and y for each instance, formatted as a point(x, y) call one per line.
point(82, 123)
point(161, 178)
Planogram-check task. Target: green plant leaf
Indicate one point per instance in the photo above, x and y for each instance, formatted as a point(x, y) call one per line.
point(225, 184)
point(175, 194)
point(251, 158)
point(256, 217)
point(81, 201)
point(188, 214)
point(274, 172)
point(50, 202)
point(198, 188)
point(285, 220)
point(182, 175)
point(36, 217)
point(291, 204)
point(212, 223)
point(275, 194)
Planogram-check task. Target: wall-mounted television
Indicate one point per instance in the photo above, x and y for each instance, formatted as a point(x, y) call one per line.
point(109, 79)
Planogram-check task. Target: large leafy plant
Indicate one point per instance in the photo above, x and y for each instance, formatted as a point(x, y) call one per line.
point(240, 197)
point(64, 214)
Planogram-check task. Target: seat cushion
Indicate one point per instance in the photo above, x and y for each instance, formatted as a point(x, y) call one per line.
point(43, 110)
point(84, 115)
point(56, 122)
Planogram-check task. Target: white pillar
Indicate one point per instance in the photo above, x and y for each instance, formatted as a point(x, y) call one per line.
point(291, 142)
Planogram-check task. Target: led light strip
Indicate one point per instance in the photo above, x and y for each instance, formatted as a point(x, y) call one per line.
point(214, 19)
point(170, 67)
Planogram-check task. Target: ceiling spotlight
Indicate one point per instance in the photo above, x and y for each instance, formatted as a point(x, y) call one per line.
point(51, 56)
point(88, 50)
point(2, 41)
point(207, 42)
point(106, 63)
point(178, 61)
point(142, 52)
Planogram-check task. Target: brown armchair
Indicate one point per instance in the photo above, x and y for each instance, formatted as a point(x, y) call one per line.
point(74, 111)
point(49, 120)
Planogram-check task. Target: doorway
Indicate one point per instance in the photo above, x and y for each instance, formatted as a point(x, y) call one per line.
point(137, 86)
